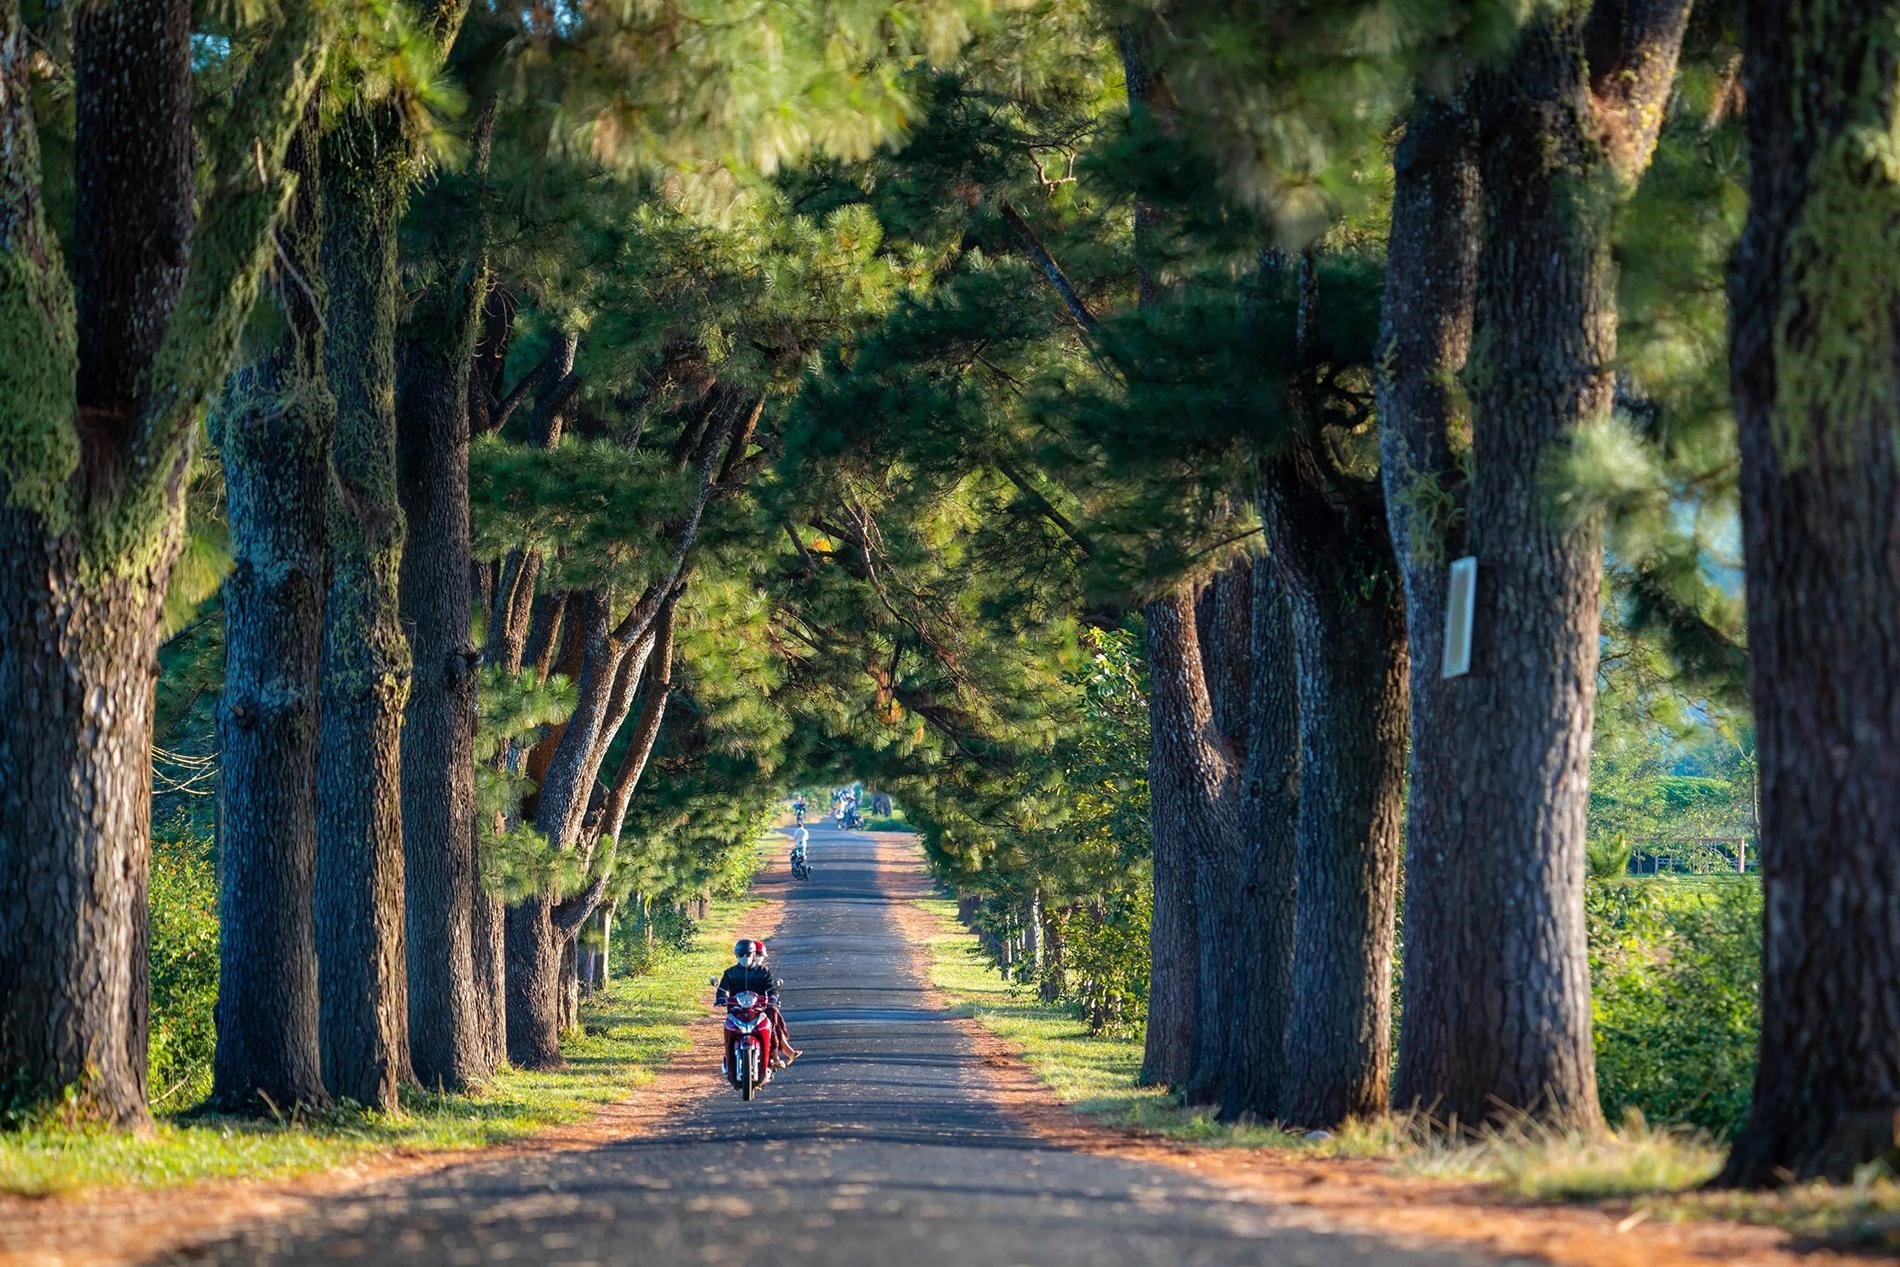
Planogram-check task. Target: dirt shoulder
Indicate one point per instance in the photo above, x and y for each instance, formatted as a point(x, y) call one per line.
point(108, 1226)
point(1364, 1196)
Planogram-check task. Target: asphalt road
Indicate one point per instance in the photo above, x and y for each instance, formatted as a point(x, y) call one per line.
point(879, 1147)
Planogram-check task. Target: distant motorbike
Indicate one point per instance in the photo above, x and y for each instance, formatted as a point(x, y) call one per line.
point(801, 869)
point(748, 1042)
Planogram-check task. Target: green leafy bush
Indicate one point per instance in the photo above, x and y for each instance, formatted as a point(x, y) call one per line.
point(648, 941)
point(1676, 971)
point(184, 966)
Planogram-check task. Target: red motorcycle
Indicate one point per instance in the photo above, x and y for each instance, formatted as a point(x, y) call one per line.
point(749, 1040)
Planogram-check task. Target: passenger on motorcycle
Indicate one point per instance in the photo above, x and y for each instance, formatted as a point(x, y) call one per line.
point(750, 973)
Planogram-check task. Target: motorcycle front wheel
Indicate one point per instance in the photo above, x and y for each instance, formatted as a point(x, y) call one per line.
point(745, 1077)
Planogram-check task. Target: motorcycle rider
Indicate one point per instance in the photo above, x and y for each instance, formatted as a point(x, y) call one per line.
point(750, 973)
point(798, 848)
point(798, 809)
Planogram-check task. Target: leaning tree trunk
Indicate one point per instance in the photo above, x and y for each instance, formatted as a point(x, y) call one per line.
point(1815, 363)
point(448, 1046)
point(274, 438)
point(615, 653)
point(104, 375)
point(361, 959)
point(1499, 984)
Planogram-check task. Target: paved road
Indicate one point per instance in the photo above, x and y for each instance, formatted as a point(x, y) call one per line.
point(877, 1148)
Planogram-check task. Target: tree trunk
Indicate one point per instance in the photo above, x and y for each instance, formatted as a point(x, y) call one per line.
point(447, 1046)
point(103, 383)
point(1814, 359)
point(1055, 964)
point(1224, 619)
point(1350, 632)
point(1498, 992)
point(1192, 781)
point(1431, 271)
point(274, 437)
point(1264, 876)
point(570, 987)
point(75, 807)
point(359, 896)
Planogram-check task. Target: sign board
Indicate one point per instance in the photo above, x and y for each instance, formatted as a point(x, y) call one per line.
point(1461, 594)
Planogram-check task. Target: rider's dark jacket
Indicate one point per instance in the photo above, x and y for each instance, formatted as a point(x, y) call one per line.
point(740, 977)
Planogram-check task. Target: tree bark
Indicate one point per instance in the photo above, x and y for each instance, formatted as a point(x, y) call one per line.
point(447, 1046)
point(1815, 347)
point(103, 384)
point(1499, 986)
point(1192, 780)
point(274, 437)
point(1349, 629)
point(1262, 995)
point(360, 898)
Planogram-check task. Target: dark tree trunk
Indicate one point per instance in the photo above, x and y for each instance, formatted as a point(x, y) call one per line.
point(1224, 619)
point(1262, 993)
point(1431, 284)
point(447, 1046)
point(75, 805)
point(1192, 781)
point(1813, 360)
point(274, 437)
point(1499, 984)
point(359, 897)
point(1349, 628)
point(1334, 555)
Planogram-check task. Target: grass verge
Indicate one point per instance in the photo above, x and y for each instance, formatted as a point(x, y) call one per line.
point(1637, 1170)
point(629, 1032)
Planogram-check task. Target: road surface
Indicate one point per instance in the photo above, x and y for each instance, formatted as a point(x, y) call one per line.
point(879, 1147)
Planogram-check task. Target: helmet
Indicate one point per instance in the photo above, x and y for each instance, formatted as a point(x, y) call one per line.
point(758, 948)
point(744, 949)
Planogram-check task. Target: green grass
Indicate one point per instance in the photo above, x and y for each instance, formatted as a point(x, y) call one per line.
point(1655, 1171)
point(1094, 1074)
point(628, 1034)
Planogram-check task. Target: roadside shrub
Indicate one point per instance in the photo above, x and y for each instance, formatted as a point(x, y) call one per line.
point(1105, 949)
point(1675, 966)
point(649, 940)
point(184, 967)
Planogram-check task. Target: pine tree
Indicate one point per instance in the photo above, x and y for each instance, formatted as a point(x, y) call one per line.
point(1812, 366)
point(111, 359)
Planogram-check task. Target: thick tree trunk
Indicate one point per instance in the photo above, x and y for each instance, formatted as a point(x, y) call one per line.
point(447, 1045)
point(359, 898)
point(274, 437)
point(102, 386)
point(79, 665)
point(1350, 634)
point(1498, 993)
point(1262, 993)
point(1431, 271)
point(1815, 359)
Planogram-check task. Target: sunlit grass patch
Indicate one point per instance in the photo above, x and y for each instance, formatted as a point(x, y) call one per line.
point(1095, 1074)
point(628, 1035)
point(1533, 1161)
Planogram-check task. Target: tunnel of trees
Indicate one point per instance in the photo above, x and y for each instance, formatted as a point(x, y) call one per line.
point(501, 447)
